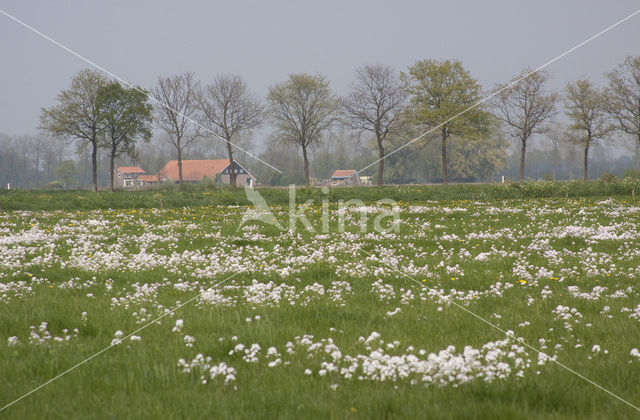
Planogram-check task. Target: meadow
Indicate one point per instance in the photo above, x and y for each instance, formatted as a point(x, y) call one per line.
point(459, 309)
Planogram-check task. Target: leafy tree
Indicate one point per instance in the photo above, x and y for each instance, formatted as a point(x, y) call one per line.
point(402, 166)
point(177, 111)
point(524, 108)
point(478, 159)
point(228, 110)
point(585, 107)
point(77, 115)
point(66, 173)
point(443, 94)
point(556, 136)
point(373, 103)
point(302, 108)
point(623, 98)
point(125, 117)
point(284, 155)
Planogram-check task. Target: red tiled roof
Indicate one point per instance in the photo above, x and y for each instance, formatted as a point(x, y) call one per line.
point(343, 173)
point(148, 178)
point(131, 170)
point(193, 170)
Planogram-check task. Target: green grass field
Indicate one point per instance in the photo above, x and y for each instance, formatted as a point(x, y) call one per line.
point(212, 194)
point(460, 313)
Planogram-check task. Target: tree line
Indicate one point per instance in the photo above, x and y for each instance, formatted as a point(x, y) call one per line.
point(395, 121)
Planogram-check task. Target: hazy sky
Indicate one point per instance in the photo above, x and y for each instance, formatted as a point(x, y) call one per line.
point(265, 41)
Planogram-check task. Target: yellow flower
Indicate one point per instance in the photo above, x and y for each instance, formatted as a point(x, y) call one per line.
point(523, 281)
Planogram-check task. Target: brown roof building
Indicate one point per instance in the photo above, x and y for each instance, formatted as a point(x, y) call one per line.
point(128, 177)
point(197, 170)
point(344, 177)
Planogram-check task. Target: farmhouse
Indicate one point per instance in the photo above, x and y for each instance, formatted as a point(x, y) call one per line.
point(128, 177)
point(345, 177)
point(197, 170)
point(147, 180)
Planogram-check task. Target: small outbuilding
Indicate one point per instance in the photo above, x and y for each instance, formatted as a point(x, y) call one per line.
point(345, 177)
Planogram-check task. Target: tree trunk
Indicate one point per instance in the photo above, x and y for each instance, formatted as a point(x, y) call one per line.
point(180, 165)
point(380, 163)
point(94, 164)
point(38, 167)
point(112, 167)
point(586, 155)
point(306, 165)
point(523, 151)
point(232, 173)
point(638, 152)
point(444, 158)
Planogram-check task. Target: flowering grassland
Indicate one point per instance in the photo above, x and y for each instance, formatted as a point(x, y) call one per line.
point(295, 324)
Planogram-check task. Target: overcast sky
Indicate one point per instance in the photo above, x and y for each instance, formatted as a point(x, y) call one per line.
point(265, 41)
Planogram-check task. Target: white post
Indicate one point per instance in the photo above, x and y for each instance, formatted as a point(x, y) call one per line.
point(503, 179)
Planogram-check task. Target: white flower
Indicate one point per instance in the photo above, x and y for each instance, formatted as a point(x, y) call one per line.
point(178, 326)
point(189, 340)
point(394, 312)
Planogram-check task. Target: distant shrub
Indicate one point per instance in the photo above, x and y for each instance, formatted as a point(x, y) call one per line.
point(632, 173)
point(166, 186)
point(547, 177)
point(56, 185)
point(607, 177)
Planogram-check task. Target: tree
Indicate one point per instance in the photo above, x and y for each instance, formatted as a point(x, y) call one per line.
point(478, 159)
point(373, 103)
point(557, 139)
point(77, 115)
point(623, 98)
point(228, 110)
point(302, 108)
point(178, 109)
point(441, 93)
point(66, 172)
point(585, 107)
point(125, 117)
point(524, 107)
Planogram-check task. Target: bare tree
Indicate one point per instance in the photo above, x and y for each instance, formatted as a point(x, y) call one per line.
point(586, 109)
point(524, 108)
point(623, 98)
point(302, 108)
point(77, 115)
point(178, 95)
point(373, 103)
point(228, 110)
